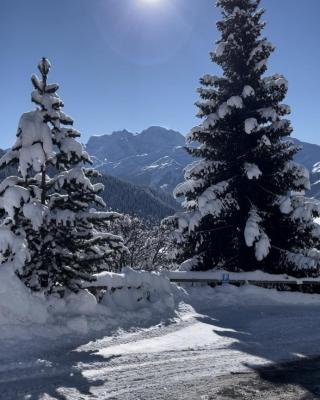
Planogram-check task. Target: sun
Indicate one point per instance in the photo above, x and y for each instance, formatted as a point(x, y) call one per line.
point(150, 1)
point(153, 4)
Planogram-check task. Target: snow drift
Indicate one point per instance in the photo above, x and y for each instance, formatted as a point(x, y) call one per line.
point(17, 304)
point(129, 297)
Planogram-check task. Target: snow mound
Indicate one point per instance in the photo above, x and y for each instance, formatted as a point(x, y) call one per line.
point(128, 298)
point(131, 289)
point(247, 295)
point(18, 306)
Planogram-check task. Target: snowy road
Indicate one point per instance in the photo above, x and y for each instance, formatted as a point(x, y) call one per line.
point(185, 360)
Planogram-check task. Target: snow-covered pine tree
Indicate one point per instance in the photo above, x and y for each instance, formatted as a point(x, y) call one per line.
point(48, 203)
point(242, 211)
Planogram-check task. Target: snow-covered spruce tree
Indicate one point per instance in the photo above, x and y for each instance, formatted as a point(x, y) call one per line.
point(242, 211)
point(48, 202)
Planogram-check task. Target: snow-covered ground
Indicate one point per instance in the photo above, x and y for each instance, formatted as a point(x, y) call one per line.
point(158, 354)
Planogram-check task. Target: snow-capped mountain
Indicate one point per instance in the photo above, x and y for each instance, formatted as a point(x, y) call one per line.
point(154, 157)
point(124, 155)
point(309, 156)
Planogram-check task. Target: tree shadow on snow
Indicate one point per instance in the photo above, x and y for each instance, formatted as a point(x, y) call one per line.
point(47, 377)
point(286, 336)
point(304, 373)
point(51, 369)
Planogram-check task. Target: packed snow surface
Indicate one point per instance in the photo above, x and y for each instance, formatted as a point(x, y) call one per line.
point(156, 352)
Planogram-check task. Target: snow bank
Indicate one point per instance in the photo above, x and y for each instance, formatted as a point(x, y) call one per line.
point(18, 306)
point(131, 297)
point(132, 290)
point(247, 295)
point(131, 278)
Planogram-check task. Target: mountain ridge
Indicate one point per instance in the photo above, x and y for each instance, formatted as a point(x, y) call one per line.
point(156, 157)
point(149, 193)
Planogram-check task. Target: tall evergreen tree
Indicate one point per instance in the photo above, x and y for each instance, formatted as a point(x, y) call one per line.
point(243, 199)
point(48, 203)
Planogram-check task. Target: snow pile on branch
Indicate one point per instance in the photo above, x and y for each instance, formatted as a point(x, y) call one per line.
point(223, 110)
point(35, 212)
point(252, 171)
point(302, 176)
point(305, 210)
point(209, 122)
point(255, 236)
point(250, 125)
point(220, 49)
point(276, 82)
point(307, 260)
point(285, 204)
point(235, 101)
point(14, 244)
point(214, 201)
point(33, 145)
point(211, 200)
point(269, 114)
point(248, 91)
point(12, 199)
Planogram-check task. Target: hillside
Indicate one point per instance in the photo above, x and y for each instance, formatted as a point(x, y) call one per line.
point(155, 157)
point(143, 201)
point(125, 197)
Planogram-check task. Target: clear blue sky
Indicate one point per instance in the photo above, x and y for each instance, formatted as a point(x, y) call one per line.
point(135, 63)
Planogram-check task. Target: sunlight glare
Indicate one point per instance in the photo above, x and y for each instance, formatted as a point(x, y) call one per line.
point(150, 1)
